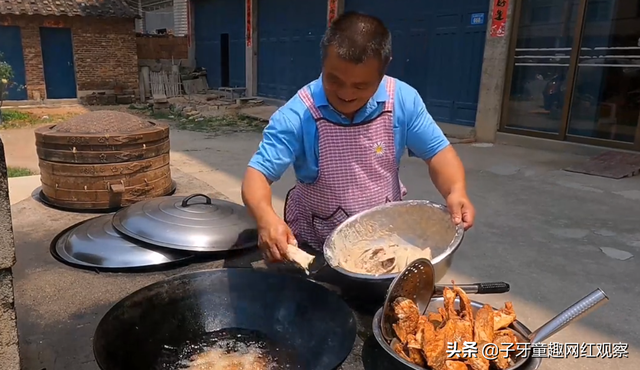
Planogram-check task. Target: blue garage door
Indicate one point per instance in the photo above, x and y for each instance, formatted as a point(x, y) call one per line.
point(219, 30)
point(438, 48)
point(11, 49)
point(289, 45)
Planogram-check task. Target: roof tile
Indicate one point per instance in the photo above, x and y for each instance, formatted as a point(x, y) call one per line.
point(94, 8)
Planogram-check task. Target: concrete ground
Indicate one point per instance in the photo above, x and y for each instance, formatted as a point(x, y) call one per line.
point(539, 228)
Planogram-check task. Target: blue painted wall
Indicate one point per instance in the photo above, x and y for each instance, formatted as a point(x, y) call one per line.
point(289, 45)
point(437, 50)
point(57, 60)
point(11, 49)
point(212, 18)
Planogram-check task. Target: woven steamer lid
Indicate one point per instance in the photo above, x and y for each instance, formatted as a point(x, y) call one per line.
point(100, 122)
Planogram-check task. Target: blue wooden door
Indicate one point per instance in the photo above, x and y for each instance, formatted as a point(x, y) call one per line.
point(212, 18)
point(438, 49)
point(57, 59)
point(11, 50)
point(289, 45)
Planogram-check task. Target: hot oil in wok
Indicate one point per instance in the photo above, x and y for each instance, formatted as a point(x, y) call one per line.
point(232, 349)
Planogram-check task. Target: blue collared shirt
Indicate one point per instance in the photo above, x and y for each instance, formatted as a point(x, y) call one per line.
point(291, 137)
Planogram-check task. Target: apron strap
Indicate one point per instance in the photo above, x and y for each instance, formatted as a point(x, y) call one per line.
point(391, 92)
point(307, 99)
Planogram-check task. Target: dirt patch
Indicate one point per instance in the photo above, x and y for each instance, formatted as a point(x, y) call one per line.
point(49, 111)
point(28, 117)
point(226, 124)
point(15, 118)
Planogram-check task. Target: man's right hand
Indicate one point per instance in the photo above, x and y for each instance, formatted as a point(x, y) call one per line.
point(274, 237)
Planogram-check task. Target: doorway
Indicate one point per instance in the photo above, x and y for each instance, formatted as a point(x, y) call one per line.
point(11, 52)
point(57, 60)
point(225, 64)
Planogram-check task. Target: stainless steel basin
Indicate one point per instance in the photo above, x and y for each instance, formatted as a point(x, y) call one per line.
point(418, 222)
point(533, 363)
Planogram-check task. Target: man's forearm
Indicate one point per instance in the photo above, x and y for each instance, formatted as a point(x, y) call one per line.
point(447, 172)
point(256, 195)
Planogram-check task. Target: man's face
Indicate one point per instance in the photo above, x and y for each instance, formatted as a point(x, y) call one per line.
point(349, 86)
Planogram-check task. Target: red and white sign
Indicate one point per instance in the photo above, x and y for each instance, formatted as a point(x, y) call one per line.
point(499, 18)
point(333, 10)
point(249, 31)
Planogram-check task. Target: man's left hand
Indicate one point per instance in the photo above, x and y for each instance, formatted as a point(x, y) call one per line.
point(461, 209)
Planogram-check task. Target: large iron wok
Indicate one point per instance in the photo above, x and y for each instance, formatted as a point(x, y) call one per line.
point(299, 323)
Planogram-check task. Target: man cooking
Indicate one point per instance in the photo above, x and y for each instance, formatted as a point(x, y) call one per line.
point(344, 134)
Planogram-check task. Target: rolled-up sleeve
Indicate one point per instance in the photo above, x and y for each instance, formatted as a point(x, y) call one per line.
point(425, 139)
point(281, 141)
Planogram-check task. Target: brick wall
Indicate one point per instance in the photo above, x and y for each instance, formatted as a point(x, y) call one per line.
point(104, 50)
point(162, 47)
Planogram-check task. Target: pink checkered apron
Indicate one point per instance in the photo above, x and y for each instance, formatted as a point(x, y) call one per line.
point(357, 171)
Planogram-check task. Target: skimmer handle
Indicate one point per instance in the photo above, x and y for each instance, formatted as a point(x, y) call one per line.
point(477, 288)
point(493, 288)
point(577, 311)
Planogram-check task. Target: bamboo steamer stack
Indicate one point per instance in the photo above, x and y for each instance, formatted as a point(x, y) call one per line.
point(103, 160)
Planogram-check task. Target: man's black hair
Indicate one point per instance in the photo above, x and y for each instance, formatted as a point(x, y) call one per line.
point(357, 37)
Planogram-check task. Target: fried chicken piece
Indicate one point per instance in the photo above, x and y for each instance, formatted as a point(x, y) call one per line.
point(466, 310)
point(504, 316)
point(449, 303)
point(443, 313)
point(455, 365)
point(434, 347)
point(482, 334)
point(435, 318)
point(456, 330)
point(414, 350)
point(483, 327)
point(416, 342)
point(400, 350)
point(478, 363)
point(413, 355)
point(408, 315)
point(506, 341)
